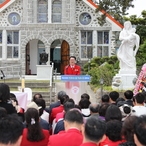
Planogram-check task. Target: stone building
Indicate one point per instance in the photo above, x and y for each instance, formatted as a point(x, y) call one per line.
point(59, 27)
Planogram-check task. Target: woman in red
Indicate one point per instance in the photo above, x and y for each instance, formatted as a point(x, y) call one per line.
point(34, 135)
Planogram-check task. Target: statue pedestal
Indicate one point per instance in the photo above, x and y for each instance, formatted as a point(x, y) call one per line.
point(123, 82)
point(43, 72)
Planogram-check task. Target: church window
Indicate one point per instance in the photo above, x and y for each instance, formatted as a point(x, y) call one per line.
point(12, 44)
point(102, 43)
point(85, 18)
point(86, 44)
point(56, 11)
point(42, 11)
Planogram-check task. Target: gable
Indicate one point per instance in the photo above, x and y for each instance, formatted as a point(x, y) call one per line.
point(116, 26)
point(5, 3)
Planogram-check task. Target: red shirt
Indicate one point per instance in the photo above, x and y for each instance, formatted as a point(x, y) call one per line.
point(72, 137)
point(55, 111)
point(108, 142)
point(43, 142)
point(75, 70)
point(88, 144)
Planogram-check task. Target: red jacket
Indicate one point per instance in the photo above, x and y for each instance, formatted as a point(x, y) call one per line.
point(43, 142)
point(72, 137)
point(76, 70)
point(55, 111)
point(88, 144)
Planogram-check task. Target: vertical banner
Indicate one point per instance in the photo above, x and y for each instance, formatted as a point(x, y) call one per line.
point(141, 80)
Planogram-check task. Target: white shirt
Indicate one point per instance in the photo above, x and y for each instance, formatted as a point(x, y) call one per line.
point(139, 110)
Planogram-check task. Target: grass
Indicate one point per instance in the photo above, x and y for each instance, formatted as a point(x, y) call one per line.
point(34, 89)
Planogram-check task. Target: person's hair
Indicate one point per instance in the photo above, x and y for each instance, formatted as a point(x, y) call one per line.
point(68, 105)
point(113, 113)
point(32, 122)
point(77, 107)
point(113, 130)
point(4, 92)
point(74, 116)
point(127, 143)
point(12, 96)
point(70, 100)
point(114, 95)
point(105, 98)
point(144, 93)
point(102, 109)
point(15, 100)
point(94, 129)
point(85, 95)
point(128, 128)
point(128, 94)
point(66, 98)
point(72, 57)
point(3, 112)
point(94, 108)
point(84, 103)
point(41, 103)
point(63, 99)
point(60, 94)
point(11, 129)
point(139, 97)
point(37, 94)
point(140, 129)
point(120, 101)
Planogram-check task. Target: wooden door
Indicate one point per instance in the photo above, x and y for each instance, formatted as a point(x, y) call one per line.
point(64, 55)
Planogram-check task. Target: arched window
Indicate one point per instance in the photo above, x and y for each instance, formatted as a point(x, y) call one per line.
point(42, 11)
point(56, 11)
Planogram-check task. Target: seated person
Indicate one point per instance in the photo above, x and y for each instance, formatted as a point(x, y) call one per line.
point(33, 134)
point(84, 105)
point(11, 129)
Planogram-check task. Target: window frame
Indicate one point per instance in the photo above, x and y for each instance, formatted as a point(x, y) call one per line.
point(13, 45)
point(103, 44)
point(86, 45)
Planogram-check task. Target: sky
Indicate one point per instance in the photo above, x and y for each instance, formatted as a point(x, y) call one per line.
point(139, 6)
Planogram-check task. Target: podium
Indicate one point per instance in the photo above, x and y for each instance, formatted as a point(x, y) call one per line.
point(75, 85)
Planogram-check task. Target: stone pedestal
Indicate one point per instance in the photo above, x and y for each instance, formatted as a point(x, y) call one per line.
point(43, 72)
point(123, 82)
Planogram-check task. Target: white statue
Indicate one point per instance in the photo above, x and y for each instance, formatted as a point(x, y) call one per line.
point(128, 49)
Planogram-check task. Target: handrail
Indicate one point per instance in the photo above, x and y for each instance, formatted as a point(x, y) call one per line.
point(51, 80)
point(51, 74)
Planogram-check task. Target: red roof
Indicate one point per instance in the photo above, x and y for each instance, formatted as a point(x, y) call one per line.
point(107, 15)
point(4, 3)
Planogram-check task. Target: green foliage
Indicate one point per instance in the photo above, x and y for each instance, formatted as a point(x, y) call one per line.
point(105, 72)
point(116, 8)
point(141, 55)
point(104, 68)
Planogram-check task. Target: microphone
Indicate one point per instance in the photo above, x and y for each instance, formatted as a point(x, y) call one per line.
point(3, 73)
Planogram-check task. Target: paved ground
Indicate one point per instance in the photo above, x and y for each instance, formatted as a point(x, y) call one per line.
point(61, 86)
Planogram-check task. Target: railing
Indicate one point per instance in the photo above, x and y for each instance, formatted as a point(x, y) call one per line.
point(51, 81)
point(10, 72)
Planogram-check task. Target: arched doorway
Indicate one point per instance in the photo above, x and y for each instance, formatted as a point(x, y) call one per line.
point(59, 54)
point(33, 50)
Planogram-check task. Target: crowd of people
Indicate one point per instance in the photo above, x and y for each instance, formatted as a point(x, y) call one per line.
point(115, 121)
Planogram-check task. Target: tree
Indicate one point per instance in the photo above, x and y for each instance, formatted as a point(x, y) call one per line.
point(116, 8)
point(140, 23)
